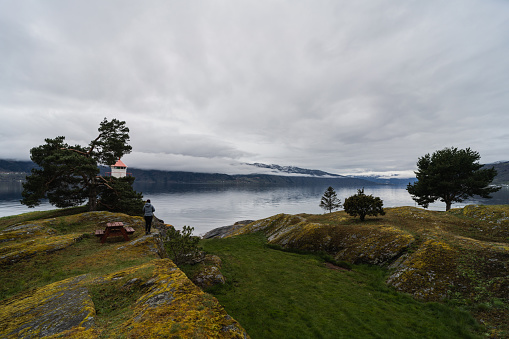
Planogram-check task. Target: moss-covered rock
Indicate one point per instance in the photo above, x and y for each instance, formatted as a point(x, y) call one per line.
point(173, 305)
point(427, 273)
point(169, 304)
point(490, 220)
point(379, 244)
point(154, 299)
point(457, 267)
point(26, 249)
point(48, 310)
point(25, 231)
point(209, 273)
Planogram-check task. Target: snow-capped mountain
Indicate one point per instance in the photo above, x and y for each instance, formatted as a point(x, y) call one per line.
point(292, 170)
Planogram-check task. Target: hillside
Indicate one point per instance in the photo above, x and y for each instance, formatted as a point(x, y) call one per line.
point(502, 168)
point(125, 289)
point(167, 177)
point(11, 170)
point(69, 285)
point(16, 166)
point(460, 256)
point(277, 169)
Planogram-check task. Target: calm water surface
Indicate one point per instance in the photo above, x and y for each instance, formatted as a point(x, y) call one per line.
point(206, 207)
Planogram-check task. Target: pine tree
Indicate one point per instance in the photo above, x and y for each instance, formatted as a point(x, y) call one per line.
point(330, 200)
point(68, 175)
point(451, 175)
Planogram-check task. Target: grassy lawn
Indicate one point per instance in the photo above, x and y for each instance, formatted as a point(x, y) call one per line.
point(276, 294)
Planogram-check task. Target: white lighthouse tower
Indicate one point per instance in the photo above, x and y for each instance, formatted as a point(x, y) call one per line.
point(119, 170)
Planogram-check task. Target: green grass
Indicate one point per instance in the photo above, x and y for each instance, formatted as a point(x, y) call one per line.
point(276, 294)
point(87, 256)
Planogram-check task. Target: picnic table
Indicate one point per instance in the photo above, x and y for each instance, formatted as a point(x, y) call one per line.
point(114, 229)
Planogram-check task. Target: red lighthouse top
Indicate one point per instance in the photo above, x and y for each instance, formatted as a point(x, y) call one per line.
point(119, 163)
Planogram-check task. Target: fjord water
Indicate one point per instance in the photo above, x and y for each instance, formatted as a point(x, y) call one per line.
point(206, 207)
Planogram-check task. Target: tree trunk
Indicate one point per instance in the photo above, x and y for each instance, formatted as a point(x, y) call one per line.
point(92, 196)
point(447, 205)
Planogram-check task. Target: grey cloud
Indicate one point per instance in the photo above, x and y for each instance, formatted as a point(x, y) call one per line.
point(328, 85)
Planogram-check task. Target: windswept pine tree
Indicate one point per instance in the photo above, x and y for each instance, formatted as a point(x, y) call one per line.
point(69, 175)
point(451, 175)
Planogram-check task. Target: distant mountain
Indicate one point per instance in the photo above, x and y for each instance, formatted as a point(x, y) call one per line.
point(270, 175)
point(387, 181)
point(278, 170)
point(14, 166)
point(502, 168)
point(171, 177)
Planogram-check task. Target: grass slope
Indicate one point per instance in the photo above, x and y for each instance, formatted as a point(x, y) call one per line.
point(86, 256)
point(276, 294)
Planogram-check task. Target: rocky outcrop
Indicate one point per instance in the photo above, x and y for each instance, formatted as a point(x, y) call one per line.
point(223, 231)
point(173, 304)
point(427, 252)
point(357, 244)
point(25, 249)
point(169, 303)
point(154, 299)
point(48, 310)
point(455, 268)
point(209, 273)
point(428, 272)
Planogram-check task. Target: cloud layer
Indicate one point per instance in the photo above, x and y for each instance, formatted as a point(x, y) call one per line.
point(341, 86)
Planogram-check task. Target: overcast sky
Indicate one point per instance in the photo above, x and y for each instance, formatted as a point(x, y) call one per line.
point(340, 86)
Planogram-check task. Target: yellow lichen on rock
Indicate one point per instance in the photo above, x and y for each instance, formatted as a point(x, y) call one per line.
point(373, 244)
point(18, 232)
point(28, 248)
point(47, 310)
point(175, 306)
point(169, 305)
point(494, 220)
point(77, 332)
point(427, 273)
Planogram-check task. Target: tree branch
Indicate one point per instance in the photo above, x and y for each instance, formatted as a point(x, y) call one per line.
point(93, 144)
point(75, 150)
point(106, 183)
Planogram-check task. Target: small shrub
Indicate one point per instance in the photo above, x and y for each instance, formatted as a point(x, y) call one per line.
point(181, 246)
point(361, 205)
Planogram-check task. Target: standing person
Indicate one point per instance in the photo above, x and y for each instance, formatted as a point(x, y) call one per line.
point(148, 213)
